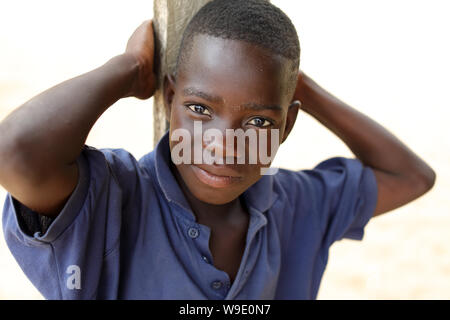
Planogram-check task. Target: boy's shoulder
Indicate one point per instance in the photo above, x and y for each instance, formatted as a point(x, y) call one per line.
point(328, 169)
point(118, 164)
point(334, 179)
point(340, 192)
point(118, 159)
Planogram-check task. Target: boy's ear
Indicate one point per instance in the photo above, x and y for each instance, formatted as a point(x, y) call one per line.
point(291, 117)
point(168, 92)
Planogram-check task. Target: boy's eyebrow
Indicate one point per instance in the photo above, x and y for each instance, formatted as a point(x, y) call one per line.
point(260, 107)
point(191, 91)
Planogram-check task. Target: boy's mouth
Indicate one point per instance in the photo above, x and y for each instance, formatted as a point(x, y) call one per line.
point(215, 177)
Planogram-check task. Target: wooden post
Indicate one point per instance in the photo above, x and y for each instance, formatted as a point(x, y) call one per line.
point(170, 18)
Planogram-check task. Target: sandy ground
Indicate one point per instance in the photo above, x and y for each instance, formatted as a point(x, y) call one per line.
point(405, 254)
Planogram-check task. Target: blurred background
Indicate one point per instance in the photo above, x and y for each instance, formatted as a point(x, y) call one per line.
point(388, 59)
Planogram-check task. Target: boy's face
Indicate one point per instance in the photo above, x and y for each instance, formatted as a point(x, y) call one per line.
point(228, 84)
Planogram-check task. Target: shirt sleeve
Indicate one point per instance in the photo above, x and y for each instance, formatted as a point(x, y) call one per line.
point(345, 195)
point(67, 260)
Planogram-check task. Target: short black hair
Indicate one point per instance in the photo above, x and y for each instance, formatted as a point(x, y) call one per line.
point(255, 21)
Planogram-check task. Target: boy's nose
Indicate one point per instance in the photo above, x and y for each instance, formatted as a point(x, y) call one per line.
point(220, 148)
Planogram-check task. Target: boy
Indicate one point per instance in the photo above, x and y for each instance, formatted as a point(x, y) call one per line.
point(97, 224)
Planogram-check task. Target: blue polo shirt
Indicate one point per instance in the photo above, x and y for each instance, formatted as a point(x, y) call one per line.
point(127, 232)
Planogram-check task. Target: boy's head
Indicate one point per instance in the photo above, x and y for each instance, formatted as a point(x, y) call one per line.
point(237, 69)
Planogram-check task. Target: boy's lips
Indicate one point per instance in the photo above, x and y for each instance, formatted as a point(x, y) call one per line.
point(216, 178)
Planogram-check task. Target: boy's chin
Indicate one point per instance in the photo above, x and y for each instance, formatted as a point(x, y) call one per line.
point(203, 192)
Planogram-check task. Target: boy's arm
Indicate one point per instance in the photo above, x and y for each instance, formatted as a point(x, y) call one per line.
point(401, 175)
point(41, 140)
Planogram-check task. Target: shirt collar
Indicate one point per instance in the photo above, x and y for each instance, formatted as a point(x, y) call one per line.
point(259, 196)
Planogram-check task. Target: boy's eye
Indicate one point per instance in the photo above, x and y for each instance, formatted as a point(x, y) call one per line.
point(199, 109)
point(260, 122)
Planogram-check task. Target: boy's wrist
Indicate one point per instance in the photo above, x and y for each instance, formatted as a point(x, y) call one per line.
point(126, 67)
point(304, 91)
point(143, 83)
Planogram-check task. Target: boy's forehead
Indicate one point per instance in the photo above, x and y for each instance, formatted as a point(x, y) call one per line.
point(234, 65)
point(212, 51)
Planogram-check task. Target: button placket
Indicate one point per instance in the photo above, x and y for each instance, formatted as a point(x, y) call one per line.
point(218, 283)
point(257, 222)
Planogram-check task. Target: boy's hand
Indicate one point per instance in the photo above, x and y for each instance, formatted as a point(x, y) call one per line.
point(141, 46)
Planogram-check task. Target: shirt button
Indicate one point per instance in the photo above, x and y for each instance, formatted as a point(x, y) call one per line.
point(205, 259)
point(193, 233)
point(216, 285)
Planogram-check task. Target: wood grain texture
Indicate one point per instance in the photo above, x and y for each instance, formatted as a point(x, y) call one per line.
point(170, 19)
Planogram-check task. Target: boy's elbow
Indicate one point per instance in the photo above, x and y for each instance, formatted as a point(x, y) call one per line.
point(425, 180)
point(431, 179)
